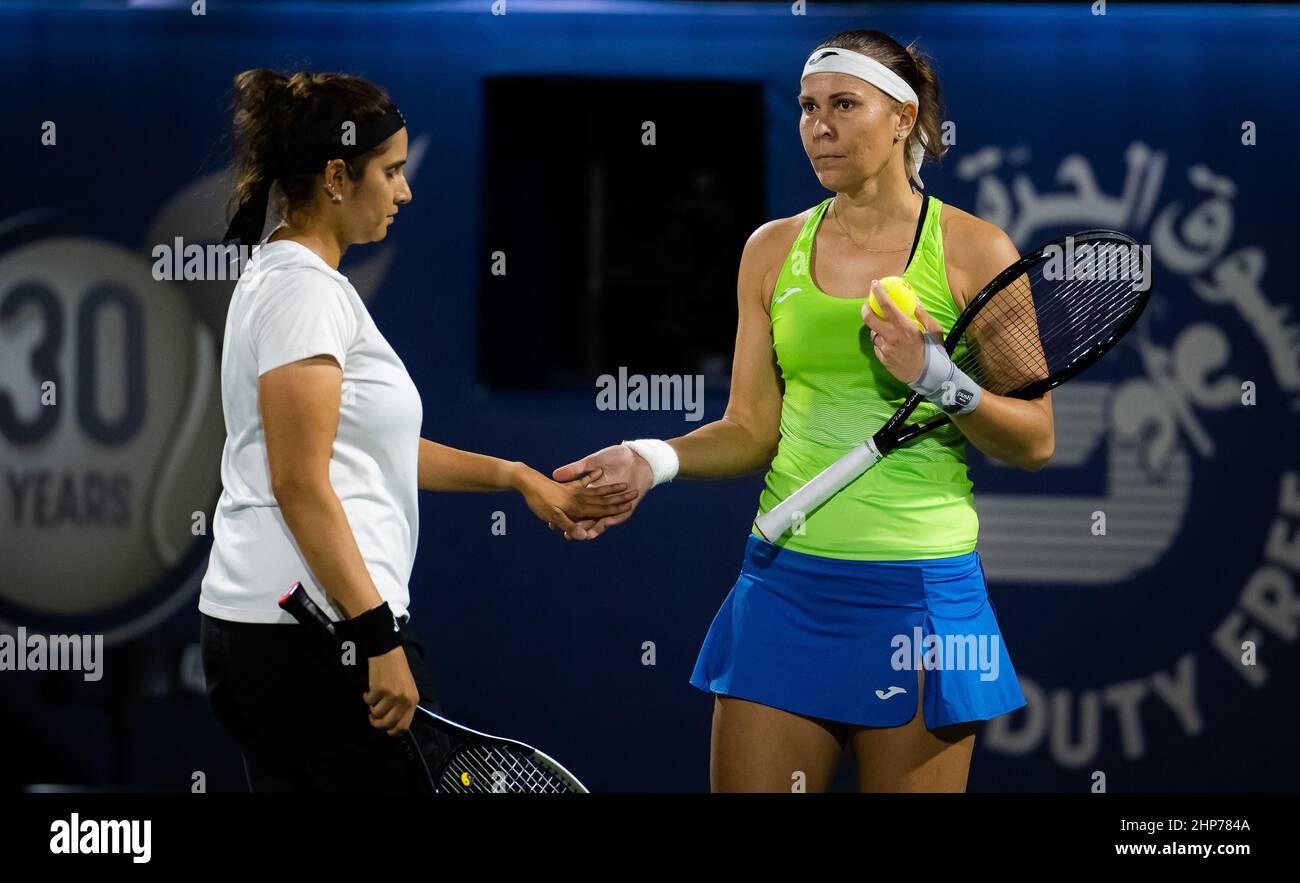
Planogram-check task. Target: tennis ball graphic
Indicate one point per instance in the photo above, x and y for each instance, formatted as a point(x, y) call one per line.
point(901, 294)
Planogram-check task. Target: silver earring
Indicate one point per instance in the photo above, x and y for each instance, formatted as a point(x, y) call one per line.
point(336, 197)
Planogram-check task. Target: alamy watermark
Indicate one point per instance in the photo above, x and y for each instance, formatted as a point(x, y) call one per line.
point(200, 261)
point(656, 392)
point(947, 653)
point(36, 652)
point(78, 836)
point(1100, 262)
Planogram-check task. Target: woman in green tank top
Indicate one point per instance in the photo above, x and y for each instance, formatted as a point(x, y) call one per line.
point(917, 503)
point(801, 656)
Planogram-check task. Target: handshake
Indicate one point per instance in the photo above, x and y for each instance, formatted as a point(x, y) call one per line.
point(588, 496)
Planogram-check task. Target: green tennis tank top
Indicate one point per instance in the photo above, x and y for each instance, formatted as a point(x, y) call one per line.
point(916, 503)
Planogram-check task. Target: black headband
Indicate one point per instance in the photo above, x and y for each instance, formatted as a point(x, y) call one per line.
point(246, 225)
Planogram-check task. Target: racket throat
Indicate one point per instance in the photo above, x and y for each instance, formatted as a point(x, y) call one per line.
point(878, 448)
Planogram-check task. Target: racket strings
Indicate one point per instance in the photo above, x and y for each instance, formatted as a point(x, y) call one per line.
point(1103, 310)
point(1036, 327)
point(481, 767)
point(1093, 314)
point(492, 769)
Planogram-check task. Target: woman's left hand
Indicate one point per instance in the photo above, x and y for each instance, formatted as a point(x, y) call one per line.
point(896, 339)
point(558, 504)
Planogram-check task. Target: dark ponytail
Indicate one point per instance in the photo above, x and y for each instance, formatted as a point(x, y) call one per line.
point(277, 118)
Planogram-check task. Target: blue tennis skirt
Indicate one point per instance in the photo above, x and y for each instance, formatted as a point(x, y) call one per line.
point(843, 640)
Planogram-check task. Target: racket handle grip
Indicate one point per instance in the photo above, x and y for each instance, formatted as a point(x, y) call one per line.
point(820, 488)
point(298, 604)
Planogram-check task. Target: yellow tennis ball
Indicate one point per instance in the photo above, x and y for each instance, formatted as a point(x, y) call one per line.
point(901, 294)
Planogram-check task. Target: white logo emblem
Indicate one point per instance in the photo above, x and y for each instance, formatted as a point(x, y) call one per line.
point(890, 693)
point(1153, 436)
point(787, 293)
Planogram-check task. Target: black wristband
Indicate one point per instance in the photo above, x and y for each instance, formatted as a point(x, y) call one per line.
point(375, 632)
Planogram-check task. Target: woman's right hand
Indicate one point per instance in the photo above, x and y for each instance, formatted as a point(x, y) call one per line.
point(619, 464)
point(558, 503)
point(392, 696)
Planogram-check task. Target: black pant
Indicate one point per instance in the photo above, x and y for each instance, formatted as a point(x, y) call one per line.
point(300, 724)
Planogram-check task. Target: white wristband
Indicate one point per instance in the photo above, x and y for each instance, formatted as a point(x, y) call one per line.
point(660, 455)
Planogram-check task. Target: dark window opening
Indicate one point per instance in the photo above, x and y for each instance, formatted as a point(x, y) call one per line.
point(618, 253)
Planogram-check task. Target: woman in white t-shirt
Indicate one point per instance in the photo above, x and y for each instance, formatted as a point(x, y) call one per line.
point(323, 456)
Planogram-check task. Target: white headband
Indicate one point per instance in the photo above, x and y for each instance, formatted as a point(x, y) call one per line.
point(855, 64)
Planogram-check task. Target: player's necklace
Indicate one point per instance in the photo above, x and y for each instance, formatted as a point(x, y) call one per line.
point(835, 213)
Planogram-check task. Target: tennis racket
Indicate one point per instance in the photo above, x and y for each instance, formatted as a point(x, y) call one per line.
point(477, 762)
point(1041, 321)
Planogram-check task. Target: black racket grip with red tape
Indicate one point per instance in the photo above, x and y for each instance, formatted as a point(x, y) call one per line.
point(331, 635)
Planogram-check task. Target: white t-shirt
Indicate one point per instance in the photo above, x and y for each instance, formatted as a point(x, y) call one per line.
point(289, 305)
